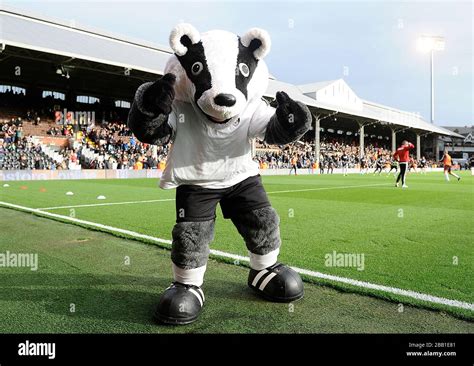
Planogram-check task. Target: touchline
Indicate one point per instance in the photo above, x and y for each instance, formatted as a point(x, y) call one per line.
point(14, 260)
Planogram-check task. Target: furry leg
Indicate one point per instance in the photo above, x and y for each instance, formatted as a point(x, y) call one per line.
point(261, 232)
point(269, 279)
point(190, 251)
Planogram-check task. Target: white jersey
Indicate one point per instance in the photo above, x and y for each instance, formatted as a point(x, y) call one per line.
point(209, 154)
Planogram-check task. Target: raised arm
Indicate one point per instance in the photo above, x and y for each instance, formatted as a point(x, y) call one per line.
point(148, 117)
point(289, 123)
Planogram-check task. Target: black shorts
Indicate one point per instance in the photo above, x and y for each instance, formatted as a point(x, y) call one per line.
point(195, 203)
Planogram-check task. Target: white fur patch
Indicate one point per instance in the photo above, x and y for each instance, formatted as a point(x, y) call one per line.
point(183, 29)
point(258, 85)
point(184, 89)
point(263, 36)
point(221, 51)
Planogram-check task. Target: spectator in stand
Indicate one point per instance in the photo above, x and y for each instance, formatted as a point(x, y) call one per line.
point(115, 147)
point(138, 164)
point(151, 162)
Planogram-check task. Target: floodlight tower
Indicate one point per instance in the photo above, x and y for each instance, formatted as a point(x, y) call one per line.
point(427, 43)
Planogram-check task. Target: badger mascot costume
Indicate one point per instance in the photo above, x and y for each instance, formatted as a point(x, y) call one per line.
point(209, 105)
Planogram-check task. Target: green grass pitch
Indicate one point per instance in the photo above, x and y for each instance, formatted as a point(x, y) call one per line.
point(417, 239)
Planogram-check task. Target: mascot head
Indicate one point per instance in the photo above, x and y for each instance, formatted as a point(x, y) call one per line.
point(218, 71)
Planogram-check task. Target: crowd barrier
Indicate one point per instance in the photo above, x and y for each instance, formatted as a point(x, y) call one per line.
point(19, 175)
point(307, 171)
point(11, 175)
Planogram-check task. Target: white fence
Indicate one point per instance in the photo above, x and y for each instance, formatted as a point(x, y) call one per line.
point(12, 175)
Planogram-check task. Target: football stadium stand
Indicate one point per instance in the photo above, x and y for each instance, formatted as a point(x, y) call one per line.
point(65, 92)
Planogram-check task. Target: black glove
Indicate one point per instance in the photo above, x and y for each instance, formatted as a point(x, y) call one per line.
point(293, 116)
point(289, 123)
point(159, 96)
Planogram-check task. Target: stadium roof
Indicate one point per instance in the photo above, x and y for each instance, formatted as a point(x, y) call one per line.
point(463, 130)
point(308, 88)
point(292, 90)
point(28, 31)
point(376, 112)
point(72, 40)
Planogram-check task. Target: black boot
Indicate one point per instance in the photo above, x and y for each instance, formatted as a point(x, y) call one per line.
point(277, 283)
point(179, 304)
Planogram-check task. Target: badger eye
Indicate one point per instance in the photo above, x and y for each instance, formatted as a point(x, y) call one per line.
point(244, 69)
point(196, 68)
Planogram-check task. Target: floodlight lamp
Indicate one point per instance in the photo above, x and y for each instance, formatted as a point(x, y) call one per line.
point(430, 43)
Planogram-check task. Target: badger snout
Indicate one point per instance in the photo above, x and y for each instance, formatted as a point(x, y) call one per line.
point(221, 103)
point(225, 100)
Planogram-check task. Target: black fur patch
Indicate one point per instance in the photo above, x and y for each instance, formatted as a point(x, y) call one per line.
point(195, 53)
point(246, 56)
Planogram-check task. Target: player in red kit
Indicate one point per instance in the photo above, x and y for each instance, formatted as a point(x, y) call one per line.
point(402, 155)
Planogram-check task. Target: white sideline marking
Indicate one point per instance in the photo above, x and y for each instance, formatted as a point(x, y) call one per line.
point(90, 223)
point(172, 199)
point(327, 188)
point(235, 257)
point(106, 204)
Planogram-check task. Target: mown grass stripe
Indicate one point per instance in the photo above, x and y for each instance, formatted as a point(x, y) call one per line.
point(217, 253)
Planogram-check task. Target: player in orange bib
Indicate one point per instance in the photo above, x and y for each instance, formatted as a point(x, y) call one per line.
point(294, 163)
point(448, 163)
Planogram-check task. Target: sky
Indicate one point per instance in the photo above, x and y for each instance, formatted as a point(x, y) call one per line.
point(370, 44)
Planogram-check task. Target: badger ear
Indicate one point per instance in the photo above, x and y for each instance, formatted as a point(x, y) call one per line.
point(182, 36)
point(258, 41)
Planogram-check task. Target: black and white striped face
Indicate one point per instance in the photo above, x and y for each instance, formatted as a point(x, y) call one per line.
point(223, 71)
